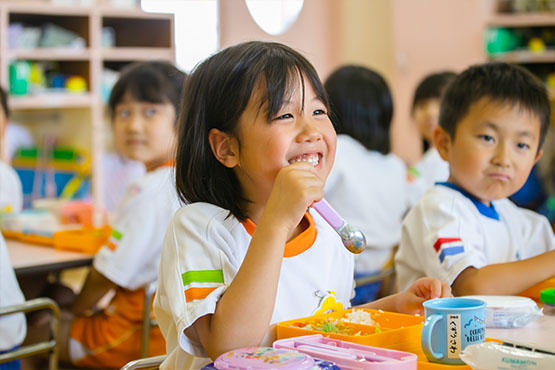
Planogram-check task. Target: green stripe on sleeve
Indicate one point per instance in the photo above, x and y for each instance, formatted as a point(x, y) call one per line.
point(202, 276)
point(116, 234)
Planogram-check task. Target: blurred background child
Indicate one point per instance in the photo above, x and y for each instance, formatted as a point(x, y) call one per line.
point(367, 184)
point(11, 192)
point(144, 106)
point(425, 113)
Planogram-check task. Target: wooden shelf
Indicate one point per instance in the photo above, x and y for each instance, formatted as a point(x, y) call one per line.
point(524, 56)
point(50, 100)
point(136, 54)
point(138, 36)
point(55, 54)
point(522, 20)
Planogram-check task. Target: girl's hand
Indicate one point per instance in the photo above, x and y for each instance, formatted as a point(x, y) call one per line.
point(410, 301)
point(297, 186)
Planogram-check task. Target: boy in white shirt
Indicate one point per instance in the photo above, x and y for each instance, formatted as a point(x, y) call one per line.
point(492, 123)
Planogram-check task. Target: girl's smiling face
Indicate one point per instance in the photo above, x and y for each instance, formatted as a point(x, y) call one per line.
point(300, 131)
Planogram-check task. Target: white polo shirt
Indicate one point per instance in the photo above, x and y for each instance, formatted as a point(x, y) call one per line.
point(450, 230)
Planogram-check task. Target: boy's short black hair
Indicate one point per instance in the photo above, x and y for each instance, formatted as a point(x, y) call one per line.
point(432, 87)
point(153, 82)
point(4, 102)
point(361, 106)
point(500, 82)
point(215, 96)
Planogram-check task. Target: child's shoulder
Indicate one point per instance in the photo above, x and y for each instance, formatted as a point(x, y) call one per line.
point(205, 216)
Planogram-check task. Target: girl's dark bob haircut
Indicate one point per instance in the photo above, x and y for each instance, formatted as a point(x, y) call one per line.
point(215, 96)
point(153, 82)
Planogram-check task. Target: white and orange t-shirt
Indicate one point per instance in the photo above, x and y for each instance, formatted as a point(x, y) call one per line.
point(132, 255)
point(203, 250)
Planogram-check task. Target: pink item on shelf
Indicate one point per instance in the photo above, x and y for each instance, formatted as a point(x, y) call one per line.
point(349, 356)
point(259, 358)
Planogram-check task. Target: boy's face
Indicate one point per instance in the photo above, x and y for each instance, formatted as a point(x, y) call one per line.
point(297, 132)
point(145, 132)
point(494, 149)
point(426, 116)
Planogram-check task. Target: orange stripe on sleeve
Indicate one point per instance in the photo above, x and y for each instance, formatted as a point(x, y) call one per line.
point(197, 293)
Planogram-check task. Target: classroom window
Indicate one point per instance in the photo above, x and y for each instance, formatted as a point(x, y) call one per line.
point(196, 28)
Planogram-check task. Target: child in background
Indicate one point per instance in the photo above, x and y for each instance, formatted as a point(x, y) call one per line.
point(425, 112)
point(144, 106)
point(11, 192)
point(464, 232)
point(12, 327)
point(255, 147)
point(367, 184)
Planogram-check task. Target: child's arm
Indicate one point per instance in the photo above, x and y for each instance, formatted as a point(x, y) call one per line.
point(95, 287)
point(243, 314)
point(505, 278)
point(410, 301)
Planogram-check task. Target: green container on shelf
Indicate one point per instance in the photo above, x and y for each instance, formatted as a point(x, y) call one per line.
point(19, 73)
point(501, 40)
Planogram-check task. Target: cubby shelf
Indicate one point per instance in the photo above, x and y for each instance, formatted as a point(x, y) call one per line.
point(136, 36)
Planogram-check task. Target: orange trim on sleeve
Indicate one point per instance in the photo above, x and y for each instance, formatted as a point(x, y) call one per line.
point(297, 245)
point(197, 293)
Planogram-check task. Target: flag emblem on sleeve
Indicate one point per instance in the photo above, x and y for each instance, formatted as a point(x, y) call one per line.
point(199, 284)
point(448, 247)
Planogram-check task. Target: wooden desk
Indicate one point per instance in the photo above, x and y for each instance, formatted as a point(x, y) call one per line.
point(28, 259)
point(540, 332)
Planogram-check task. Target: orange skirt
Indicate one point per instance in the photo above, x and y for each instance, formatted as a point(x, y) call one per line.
point(112, 338)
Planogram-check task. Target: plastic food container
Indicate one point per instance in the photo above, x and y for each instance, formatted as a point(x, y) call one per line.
point(508, 311)
point(261, 358)
point(399, 332)
point(547, 296)
point(349, 356)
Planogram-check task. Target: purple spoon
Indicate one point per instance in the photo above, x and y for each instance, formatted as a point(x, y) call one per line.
point(353, 239)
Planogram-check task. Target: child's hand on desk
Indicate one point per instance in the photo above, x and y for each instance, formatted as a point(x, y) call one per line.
point(410, 301)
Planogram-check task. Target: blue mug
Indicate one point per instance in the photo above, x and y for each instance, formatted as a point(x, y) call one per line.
point(451, 325)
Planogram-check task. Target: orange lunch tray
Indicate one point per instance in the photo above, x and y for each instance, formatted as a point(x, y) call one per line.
point(37, 239)
point(392, 328)
point(534, 292)
point(87, 240)
point(399, 332)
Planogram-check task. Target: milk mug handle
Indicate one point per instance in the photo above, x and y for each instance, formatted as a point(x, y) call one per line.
point(427, 336)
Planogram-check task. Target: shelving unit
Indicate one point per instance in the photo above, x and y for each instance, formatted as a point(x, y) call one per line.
point(544, 60)
point(137, 36)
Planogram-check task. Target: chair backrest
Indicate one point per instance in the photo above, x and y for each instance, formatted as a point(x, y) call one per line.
point(148, 363)
point(148, 323)
point(50, 346)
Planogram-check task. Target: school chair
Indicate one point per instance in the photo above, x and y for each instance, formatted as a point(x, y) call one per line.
point(50, 346)
point(148, 322)
point(148, 363)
